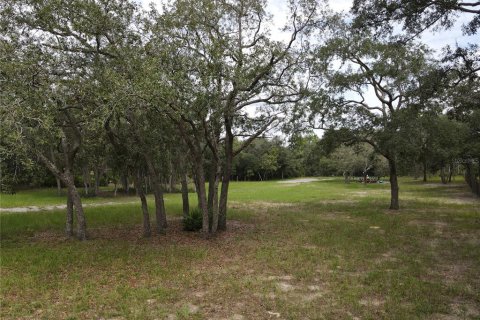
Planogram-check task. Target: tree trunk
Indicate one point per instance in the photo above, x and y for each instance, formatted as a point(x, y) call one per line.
point(124, 181)
point(215, 204)
point(68, 179)
point(202, 195)
point(59, 186)
point(69, 218)
point(97, 181)
point(394, 203)
point(227, 170)
point(86, 179)
point(160, 214)
point(138, 181)
point(186, 204)
point(77, 203)
point(211, 185)
point(424, 171)
point(450, 172)
point(442, 175)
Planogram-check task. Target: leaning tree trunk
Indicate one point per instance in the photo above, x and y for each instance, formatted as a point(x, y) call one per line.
point(73, 195)
point(394, 203)
point(77, 202)
point(138, 181)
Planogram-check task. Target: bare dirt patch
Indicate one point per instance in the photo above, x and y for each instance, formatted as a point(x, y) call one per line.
point(174, 234)
point(60, 207)
point(302, 180)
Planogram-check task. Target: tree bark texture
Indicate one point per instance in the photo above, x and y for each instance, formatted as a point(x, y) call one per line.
point(185, 201)
point(394, 189)
point(138, 181)
point(160, 214)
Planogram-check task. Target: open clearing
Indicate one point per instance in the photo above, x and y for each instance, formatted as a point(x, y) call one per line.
point(311, 250)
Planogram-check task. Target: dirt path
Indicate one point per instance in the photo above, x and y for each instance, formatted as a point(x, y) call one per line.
point(58, 207)
point(301, 180)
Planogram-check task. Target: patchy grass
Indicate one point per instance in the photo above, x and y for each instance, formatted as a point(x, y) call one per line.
point(317, 250)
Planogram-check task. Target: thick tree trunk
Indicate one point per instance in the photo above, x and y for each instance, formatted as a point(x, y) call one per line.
point(69, 218)
point(138, 181)
point(394, 202)
point(77, 203)
point(186, 204)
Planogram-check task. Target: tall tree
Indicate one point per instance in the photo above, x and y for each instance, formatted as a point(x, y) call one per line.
point(359, 65)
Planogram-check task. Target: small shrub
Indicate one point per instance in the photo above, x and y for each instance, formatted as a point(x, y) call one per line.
point(194, 220)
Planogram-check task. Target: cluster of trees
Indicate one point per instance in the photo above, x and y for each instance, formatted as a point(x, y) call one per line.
point(188, 90)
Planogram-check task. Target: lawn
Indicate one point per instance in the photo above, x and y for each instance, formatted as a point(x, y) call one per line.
point(317, 250)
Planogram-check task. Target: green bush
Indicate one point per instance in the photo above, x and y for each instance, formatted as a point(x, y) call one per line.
point(194, 220)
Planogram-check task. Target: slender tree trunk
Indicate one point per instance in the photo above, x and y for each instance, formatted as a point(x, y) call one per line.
point(394, 202)
point(97, 181)
point(124, 181)
point(138, 181)
point(158, 195)
point(185, 201)
point(450, 172)
point(73, 195)
point(115, 190)
point(424, 170)
point(86, 179)
point(59, 185)
point(202, 195)
point(211, 185)
point(69, 218)
point(227, 170)
point(215, 206)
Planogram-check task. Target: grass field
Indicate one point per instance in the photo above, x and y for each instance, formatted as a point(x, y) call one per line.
point(318, 250)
